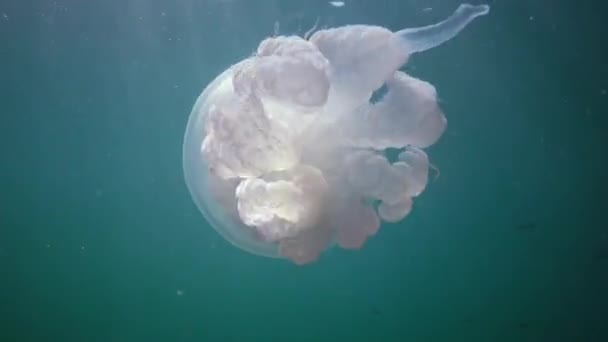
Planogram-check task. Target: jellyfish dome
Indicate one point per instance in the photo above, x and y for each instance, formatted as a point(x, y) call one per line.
point(284, 152)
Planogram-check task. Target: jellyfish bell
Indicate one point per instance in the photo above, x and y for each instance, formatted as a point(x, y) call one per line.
point(284, 154)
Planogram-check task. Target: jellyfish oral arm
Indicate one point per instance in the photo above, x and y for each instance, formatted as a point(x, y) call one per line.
point(423, 38)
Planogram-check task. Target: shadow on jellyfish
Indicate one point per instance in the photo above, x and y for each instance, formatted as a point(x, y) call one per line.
point(284, 154)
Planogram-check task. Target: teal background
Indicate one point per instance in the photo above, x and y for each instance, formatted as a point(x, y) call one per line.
point(98, 233)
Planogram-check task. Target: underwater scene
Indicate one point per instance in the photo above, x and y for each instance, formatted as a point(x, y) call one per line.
point(303, 170)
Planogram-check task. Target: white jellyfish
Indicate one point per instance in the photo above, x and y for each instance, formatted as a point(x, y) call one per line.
point(284, 154)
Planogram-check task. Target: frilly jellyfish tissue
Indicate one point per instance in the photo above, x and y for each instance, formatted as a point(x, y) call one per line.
point(284, 152)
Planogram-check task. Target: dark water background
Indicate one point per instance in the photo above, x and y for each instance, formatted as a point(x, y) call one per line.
point(100, 241)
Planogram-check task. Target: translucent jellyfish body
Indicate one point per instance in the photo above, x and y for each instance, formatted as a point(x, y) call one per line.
point(284, 153)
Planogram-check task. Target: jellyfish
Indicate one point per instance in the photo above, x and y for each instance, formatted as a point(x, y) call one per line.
point(285, 153)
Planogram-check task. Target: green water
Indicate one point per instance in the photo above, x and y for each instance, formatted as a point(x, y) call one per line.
point(100, 240)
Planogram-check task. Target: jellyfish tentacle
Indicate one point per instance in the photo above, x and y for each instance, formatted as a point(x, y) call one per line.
point(423, 38)
point(312, 29)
